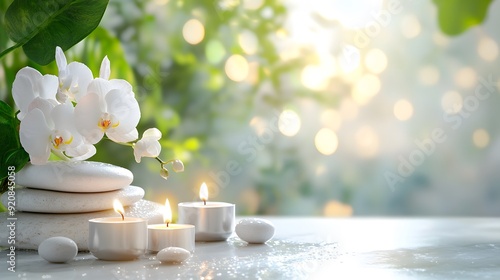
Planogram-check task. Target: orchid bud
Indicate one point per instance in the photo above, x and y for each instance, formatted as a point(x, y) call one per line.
point(178, 166)
point(164, 173)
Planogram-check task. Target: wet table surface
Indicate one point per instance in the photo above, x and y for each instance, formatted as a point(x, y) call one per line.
point(310, 248)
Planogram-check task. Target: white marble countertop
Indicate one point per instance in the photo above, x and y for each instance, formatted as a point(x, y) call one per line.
point(310, 248)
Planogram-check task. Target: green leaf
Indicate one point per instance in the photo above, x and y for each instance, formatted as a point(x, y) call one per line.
point(456, 16)
point(40, 26)
point(12, 154)
point(5, 112)
point(17, 157)
point(4, 39)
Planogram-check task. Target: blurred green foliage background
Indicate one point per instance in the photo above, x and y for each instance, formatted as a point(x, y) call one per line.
point(282, 109)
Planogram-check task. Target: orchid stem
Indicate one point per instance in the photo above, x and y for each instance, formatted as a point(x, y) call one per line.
point(160, 160)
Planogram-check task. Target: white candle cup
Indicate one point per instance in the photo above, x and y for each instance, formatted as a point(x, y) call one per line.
point(213, 221)
point(175, 235)
point(114, 239)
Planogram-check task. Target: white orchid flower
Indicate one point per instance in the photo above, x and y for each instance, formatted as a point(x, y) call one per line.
point(110, 108)
point(47, 128)
point(148, 146)
point(28, 85)
point(73, 78)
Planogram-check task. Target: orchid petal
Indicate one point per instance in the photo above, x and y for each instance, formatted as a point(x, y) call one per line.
point(45, 106)
point(137, 155)
point(60, 59)
point(64, 119)
point(63, 116)
point(73, 80)
point(28, 85)
point(87, 116)
point(125, 109)
point(81, 152)
point(146, 148)
point(152, 133)
point(154, 149)
point(120, 137)
point(100, 87)
point(47, 87)
point(81, 76)
point(34, 135)
point(122, 85)
point(23, 94)
point(105, 70)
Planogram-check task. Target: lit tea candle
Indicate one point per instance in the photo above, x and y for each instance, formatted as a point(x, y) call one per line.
point(161, 236)
point(117, 238)
point(213, 221)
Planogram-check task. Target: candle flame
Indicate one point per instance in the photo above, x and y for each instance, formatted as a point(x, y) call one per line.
point(204, 192)
point(167, 213)
point(119, 208)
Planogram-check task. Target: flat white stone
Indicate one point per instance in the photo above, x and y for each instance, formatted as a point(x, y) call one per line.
point(33, 228)
point(254, 230)
point(173, 255)
point(42, 201)
point(58, 249)
point(74, 176)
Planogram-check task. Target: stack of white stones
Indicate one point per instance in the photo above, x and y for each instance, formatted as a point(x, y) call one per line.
point(58, 199)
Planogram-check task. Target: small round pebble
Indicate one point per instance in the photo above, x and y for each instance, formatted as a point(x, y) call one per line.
point(58, 249)
point(254, 230)
point(173, 255)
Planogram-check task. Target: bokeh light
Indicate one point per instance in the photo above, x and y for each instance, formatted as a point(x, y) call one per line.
point(161, 2)
point(249, 200)
point(351, 14)
point(328, 64)
point(193, 31)
point(320, 170)
point(367, 141)
point(215, 51)
point(428, 75)
point(487, 49)
point(452, 102)
point(326, 141)
point(331, 118)
point(253, 73)
point(348, 109)
point(267, 12)
point(337, 209)
point(289, 123)
point(248, 41)
point(237, 68)
point(376, 61)
point(465, 77)
point(259, 125)
point(252, 4)
point(365, 89)
point(403, 110)
point(481, 138)
point(410, 26)
point(440, 39)
point(349, 59)
point(313, 77)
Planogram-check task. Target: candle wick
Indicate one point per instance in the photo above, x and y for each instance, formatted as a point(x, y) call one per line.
point(204, 202)
point(123, 217)
point(167, 224)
